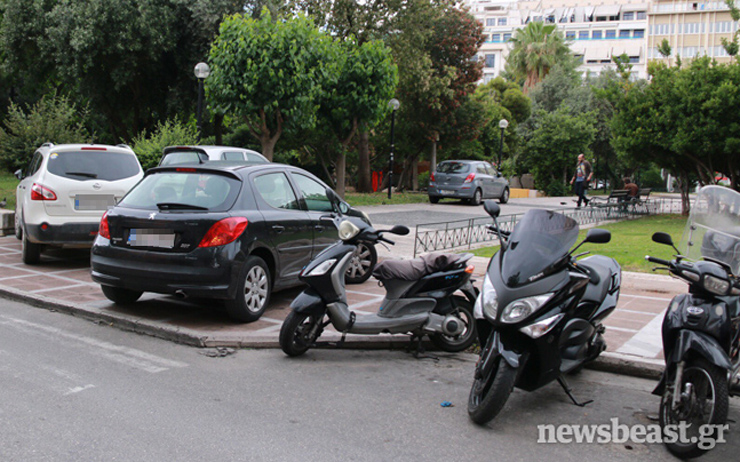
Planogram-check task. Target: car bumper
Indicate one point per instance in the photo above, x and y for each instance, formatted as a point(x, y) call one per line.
point(208, 273)
point(74, 234)
point(454, 191)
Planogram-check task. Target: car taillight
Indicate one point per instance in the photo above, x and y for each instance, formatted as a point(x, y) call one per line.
point(42, 193)
point(224, 231)
point(470, 178)
point(431, 177)
point(104, 230)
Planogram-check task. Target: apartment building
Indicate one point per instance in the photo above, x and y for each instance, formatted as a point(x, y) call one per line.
point(596, 30)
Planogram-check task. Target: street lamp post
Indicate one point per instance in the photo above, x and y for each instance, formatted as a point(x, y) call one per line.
point(503, 123)
point(202, 71)
point(394, 104)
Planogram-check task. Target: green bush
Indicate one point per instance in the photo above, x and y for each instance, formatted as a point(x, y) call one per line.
point(424, 181)
point(170, 133)
point(556, 188)
point(53, 118)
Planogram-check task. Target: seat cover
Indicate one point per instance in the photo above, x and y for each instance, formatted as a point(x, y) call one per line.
point(411, 270)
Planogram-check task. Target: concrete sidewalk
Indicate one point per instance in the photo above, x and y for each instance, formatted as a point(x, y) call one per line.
point(62, 282)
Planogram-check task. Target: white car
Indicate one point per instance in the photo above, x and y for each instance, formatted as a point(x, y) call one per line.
point(64, 191)
point(199, 154)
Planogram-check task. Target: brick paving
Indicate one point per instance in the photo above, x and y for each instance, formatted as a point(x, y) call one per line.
point(62, 279)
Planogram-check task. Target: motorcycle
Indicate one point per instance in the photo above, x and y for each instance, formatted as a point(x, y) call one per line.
point(539, 315)
point(700, 329)
point(420, 295)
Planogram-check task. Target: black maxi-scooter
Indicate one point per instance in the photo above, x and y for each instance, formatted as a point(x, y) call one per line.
point(420, 296)
point(540, 312)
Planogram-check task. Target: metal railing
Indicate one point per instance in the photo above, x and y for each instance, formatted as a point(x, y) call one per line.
point(431, 237)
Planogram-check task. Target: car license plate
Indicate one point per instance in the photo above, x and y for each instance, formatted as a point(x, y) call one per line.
point(163, 238)
point(446, 192)
point(94, 202)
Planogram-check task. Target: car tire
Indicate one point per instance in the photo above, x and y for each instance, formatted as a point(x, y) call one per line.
point(477, 197)
point(504, 196)
point(30, 252)
point(18, 227)
point(119, 295)
point(252, 292)
point(433, 199)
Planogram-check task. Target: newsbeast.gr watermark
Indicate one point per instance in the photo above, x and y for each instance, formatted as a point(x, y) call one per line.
point(707, 438)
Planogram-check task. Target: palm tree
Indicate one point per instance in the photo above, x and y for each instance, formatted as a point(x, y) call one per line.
point(535, 50)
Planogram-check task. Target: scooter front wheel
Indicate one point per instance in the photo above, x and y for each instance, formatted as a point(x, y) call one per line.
point(299, 332)
point(703, 400)
point(464, 312)
point(490, 392)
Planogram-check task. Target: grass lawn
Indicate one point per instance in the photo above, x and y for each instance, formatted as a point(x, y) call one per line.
point(8, 183)
point(631, 241)
point(381, 198)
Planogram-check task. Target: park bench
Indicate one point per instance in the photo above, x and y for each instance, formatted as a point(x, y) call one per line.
point(619, 200)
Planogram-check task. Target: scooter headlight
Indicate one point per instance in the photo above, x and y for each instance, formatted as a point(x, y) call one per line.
point(489, 299)
point(716, 285)
point(347, 230)
point(522, 308)
point(322, 268)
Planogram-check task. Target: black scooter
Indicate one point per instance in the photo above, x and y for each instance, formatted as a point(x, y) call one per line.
point(539, 315)
point(420, 295)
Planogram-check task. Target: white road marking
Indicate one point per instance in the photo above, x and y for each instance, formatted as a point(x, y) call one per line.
point(79, 389)
point(648, 342)
point(620, 329)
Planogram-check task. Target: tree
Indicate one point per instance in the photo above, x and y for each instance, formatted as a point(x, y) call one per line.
point(272, 73)
point(536, 49)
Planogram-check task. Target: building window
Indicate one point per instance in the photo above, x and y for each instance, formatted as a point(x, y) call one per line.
point(579, 58)
point(606, 61)
point(592, 61)
point(507, 37)
point(570, 34)
point(634, 59)
point(628, 16)
point(639, 33)
point(596, 34)
point(490, 60)
point(611, 34)
point(582, 35)
point(550, 19)
point(495, 37)
point(624, 34)
point(490, 21)
point(501, 21)
point(641, 15)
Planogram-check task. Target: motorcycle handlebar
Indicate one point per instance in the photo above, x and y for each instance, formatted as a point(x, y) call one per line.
point(383, 239)
point(659, 261)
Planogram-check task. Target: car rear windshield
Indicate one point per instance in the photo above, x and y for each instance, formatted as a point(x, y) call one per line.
point(183, 157)
point(97, 165)
point(453, 167)
point(184, 191)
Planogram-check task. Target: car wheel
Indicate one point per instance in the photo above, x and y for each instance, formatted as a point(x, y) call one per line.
point(252, 293)
point(361, 266)
point(433, 199)
point(30, 252)
point(18, 227)
point(504, 196)
point(477, 197)
point(119, 295)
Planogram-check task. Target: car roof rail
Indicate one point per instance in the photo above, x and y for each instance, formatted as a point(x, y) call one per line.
point(47, 144)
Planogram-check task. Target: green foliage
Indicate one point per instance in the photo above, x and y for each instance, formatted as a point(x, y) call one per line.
point(54, 119)
point(424, 180)
point(168, 133)
point(556, 188)
point(535, 49)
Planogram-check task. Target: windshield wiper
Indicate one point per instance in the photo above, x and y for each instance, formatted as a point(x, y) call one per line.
point(85, 174)
point(178, 206)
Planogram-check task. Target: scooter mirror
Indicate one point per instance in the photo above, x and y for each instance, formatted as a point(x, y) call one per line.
point(662, 238)
point(491, 208)
point(400, 230)
point(598, 236)
point(332, 196)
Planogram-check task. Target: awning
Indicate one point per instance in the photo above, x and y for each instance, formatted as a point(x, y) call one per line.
point(566, 13)
point(635, 7)
point(607, 11)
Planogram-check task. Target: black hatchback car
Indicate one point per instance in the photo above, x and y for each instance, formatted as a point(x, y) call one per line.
point(216, 230)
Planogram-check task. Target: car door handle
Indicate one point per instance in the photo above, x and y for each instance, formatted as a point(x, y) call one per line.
point(278, 229)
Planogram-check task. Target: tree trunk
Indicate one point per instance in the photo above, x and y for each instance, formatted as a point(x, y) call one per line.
point(364, 183)
point(340, 164)
point(415, 174)
point(218, 128)
point(684, 187)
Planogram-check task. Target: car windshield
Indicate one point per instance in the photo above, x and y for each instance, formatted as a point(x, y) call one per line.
point(540, 239)
point(453, 167)
point(184, 191)
point(88, 165)
point(183, 157)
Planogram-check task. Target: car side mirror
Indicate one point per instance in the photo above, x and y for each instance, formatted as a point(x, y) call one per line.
point(598, 236)
point(19, 174)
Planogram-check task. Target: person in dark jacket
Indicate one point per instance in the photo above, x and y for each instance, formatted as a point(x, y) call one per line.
point(582, 178)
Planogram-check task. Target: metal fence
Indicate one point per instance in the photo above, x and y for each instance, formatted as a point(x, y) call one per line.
point(466, 233)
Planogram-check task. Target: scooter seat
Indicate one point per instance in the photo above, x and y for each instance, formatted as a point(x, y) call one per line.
point(412, 270)
point(600, 273)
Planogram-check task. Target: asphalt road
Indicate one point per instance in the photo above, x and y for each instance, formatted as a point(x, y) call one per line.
point(74, 390)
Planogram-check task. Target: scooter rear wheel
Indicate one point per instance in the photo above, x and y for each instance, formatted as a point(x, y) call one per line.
point(463, 311)
point(489, 394)
point(299, 332)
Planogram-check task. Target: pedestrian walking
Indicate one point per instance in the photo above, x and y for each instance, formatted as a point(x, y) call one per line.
point(582, 178)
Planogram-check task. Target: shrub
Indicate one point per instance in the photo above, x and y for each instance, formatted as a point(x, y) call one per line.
point(424, 181)
point(53, 118)
point(556, 188)
point(170, 133)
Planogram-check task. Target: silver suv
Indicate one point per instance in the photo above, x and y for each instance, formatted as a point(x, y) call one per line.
point(470, 180)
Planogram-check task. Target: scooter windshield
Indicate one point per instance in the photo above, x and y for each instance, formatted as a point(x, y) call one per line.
point(541, 239)
point(713, 227)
